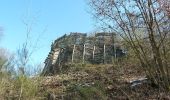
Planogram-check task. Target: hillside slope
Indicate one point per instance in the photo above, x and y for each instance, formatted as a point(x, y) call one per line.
point(101, 82)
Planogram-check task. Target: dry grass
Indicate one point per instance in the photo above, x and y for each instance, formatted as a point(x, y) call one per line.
point(101, 82)
point(82, 82)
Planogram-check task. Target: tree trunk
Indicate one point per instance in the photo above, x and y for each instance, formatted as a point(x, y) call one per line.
point(84, 52)
point(94, 48)
point(104, 53)
point(72, 59)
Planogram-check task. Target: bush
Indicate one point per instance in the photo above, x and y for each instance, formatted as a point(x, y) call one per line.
point(95, 92)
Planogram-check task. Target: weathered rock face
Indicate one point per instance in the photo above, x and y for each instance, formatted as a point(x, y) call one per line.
point(80, 48)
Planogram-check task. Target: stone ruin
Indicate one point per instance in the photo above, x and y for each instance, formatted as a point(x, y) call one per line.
point(80, 48)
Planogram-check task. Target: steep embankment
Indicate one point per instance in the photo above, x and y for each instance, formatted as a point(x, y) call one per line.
point(100, 82)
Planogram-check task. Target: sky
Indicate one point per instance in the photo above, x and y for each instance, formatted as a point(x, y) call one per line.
point(44, 20)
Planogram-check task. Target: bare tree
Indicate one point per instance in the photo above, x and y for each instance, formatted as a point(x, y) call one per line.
point(165, 6)
point(145, 27)
point(3, 58)
point(1, 32)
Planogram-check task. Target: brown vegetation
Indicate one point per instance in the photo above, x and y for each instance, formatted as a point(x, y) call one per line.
point(145, 28)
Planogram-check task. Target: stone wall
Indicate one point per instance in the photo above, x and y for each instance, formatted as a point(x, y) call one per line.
point(80, 48)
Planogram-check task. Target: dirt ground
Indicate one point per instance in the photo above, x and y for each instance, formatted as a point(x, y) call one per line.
point(102, 82)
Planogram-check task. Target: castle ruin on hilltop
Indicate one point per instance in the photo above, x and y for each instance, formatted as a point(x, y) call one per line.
point(80, 48)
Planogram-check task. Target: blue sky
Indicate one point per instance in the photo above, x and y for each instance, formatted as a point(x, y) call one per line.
point(50, 19)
